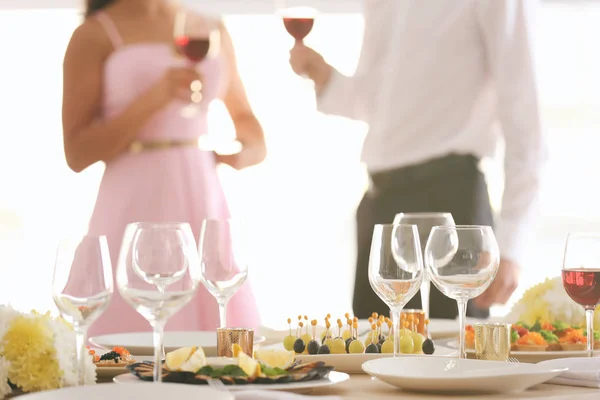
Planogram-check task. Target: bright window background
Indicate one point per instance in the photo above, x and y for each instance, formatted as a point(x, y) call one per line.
point(301, 202)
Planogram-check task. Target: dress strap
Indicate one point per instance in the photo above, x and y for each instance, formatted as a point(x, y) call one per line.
point(110, 28)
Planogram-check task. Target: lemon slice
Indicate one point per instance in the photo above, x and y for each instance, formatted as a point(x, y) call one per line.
point(196, 361)
point(176, 358)
point(236, 349)
point(273, 358)
point(249, 365)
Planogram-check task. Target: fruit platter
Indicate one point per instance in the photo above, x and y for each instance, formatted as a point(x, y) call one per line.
point(346, 349)
point(268, 368)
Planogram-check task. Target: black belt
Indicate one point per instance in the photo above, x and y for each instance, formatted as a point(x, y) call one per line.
point(422, 171)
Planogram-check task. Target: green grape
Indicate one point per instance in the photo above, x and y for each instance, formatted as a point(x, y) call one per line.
point(346, 335)
point(407, 345)
point(329, 343)
point(418, 340)
point(338, 346)
point(288, 342)
point(307, 338)
point(387, 347)
point(356, 346)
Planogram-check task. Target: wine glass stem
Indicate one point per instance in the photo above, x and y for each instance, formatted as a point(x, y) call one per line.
point(223, 312)
point(462, 313)
point(158, 332)
point(396, 312)
point(80, 337)
point(589, 323)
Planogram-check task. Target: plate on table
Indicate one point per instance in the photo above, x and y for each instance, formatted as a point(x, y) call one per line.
point(141, 344)
point(302, 378)
point(352, 363)
point(448, 328)
point(438, 374)
point(123, 392)
point(529, 356)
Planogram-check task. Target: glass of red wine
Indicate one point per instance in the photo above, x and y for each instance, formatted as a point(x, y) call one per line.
point(581, 276)
point(196, 39)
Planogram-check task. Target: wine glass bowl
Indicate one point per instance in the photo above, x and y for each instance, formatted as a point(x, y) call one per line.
point(298, 16)
point(395, 269)
point(224, 263)
point(581, 277)
point(462, 262)
point(425, 221)
point(82, 287)
point(158, 273)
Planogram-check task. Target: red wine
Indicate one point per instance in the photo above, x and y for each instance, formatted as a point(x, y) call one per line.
point(583, 286)
point(194, 49)
point(299, 28)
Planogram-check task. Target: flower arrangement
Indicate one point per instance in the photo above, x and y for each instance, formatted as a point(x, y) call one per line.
point(548, 301)
point(37, 352)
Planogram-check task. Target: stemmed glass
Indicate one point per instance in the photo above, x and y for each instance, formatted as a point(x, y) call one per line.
point(395, 269)
point(424, 222)
point(462, 262)
point(298, 16)
point(158, 273)
point(196, 38)
point(581, 276)
point(82, 287)
point(224, 262)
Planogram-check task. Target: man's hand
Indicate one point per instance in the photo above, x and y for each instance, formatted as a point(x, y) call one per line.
point(502, 288)
point(307, 62)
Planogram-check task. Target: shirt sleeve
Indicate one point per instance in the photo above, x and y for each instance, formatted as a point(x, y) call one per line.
point(507, 27)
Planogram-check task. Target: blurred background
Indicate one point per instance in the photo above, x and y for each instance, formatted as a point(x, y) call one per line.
point(301, 201)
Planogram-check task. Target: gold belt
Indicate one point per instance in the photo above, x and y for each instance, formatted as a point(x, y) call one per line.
point(138, 146)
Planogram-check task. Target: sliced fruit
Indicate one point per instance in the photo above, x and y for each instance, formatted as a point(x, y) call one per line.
point(236, 349)
point(196, 361)
point(176, 358)
point(275, 358)
point(249, 365)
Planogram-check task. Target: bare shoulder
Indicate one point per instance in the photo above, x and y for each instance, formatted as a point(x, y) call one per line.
point(89, 40)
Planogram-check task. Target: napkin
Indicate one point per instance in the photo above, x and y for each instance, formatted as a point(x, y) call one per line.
point(277, 395)
point(583, 372)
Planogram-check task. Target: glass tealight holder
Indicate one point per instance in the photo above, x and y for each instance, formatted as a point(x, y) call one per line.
point(492, 341)
point(227, 337)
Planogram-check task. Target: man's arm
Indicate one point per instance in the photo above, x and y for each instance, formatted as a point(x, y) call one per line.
point(507, 27)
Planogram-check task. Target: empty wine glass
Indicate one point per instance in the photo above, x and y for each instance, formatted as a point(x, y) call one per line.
point(395, 269)
point(82, 286)
point(581, 277)
point(223, 259)
point(158, 273)
point(462, 262)
point(424, 222)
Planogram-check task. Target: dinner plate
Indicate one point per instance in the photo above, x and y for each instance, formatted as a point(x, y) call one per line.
point(438, 374)
point(124, 392)
point(529, 356)
point(141, 343)
point(332, 378)
point(352, 363)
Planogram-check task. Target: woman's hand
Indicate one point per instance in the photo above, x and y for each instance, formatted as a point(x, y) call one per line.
point(307, 62)
point(248, 156)
point(175, 84)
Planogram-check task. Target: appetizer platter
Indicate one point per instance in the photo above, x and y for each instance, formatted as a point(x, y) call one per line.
point(111, 363)
point(265, 369)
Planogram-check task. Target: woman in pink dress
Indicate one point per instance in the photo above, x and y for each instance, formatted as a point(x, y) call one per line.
point(124, 90)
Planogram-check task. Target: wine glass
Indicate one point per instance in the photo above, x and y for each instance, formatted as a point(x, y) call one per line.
point(581, 276)
point(223, 260)
point(298, 16)
point(157, 274)
point(196, 38)
point(462, 262)
point(395, 269)
point(424, 222)
point(82, 286)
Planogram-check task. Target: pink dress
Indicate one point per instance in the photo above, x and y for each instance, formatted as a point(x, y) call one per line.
point(176, 184)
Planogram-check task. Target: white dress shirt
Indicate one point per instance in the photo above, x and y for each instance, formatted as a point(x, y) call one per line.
point(438, 77)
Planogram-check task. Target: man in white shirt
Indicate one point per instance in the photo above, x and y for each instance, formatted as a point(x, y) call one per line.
point(440, 83)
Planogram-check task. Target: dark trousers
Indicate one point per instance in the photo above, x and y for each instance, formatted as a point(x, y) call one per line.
point(451, 184)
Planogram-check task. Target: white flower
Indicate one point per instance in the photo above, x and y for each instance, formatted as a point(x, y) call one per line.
point(5, 389)
point(64, 342)
point(7, 313)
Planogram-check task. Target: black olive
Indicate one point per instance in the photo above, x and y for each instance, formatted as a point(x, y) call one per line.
point(299, 346)
point(372, 348)
point(428, 346)
point(348, 341)
point(313, 347)
point(324, 349)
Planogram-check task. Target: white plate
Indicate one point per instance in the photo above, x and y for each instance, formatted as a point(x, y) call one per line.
point(352, 363)
point(437, 374)
point(529, 356)
point(448, 328)
point(121, 392)
point(332, 378)
point(140, 343)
